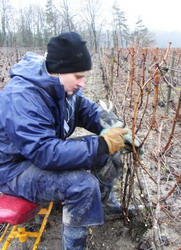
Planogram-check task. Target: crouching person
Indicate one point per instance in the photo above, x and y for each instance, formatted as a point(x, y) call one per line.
point(40, 107)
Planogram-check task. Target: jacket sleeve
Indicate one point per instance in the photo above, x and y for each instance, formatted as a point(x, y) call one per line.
point(31, 127)
point(88, 115)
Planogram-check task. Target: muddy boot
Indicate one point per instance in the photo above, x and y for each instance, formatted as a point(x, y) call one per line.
point(74, 237)
point(112, 208)
point(110, 205)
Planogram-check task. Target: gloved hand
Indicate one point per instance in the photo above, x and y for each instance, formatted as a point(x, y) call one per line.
point(109, 120)
point(114, 137)
point(137, 143)
point(127, 137)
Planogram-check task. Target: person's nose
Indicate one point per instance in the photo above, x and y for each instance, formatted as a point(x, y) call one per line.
point(81, 83)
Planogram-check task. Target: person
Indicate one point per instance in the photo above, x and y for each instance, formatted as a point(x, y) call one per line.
point(40, 107)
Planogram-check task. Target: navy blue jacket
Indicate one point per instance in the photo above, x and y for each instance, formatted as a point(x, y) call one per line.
point(36, 118)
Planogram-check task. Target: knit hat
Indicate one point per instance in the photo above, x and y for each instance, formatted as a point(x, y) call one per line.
point(67, 53)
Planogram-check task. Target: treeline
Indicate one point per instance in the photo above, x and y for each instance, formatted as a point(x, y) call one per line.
point(33, 25)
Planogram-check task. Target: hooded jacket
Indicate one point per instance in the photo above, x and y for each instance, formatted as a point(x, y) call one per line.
point(36, 117)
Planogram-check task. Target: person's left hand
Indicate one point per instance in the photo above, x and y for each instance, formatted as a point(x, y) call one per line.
point(109, 120)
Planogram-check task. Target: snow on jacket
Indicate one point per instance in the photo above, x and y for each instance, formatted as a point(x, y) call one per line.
point(36, 117)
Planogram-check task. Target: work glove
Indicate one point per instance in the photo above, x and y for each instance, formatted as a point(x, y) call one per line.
point(109, 120)
point(114, 138)
point(111, 170)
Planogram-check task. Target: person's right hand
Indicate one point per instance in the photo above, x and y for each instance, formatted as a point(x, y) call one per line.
point(114, 137)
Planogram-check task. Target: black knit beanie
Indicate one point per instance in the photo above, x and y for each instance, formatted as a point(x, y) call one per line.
point(67, 53)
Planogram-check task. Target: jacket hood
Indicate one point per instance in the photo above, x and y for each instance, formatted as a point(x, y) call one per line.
point(32, 68)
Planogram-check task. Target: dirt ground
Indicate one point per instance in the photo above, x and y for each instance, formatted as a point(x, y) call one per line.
point(118, 233)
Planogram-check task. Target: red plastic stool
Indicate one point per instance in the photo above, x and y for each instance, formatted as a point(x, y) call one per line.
point(16, 211)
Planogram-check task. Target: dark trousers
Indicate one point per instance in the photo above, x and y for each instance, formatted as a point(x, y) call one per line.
point(77, 190)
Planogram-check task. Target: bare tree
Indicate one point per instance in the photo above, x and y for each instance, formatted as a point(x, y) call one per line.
point(25, 26)
point(38, 26)
point(67, 16)
point(51, 20)
point(91, 12)
point(120, 26)
point(5, 17)
point(141, 35)
point(33, 25)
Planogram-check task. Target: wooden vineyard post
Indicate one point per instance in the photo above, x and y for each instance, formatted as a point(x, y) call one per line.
point(132, 73)
point(170, 87)
point(156, 89)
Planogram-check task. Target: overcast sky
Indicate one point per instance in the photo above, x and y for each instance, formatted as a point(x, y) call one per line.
point(155, 14)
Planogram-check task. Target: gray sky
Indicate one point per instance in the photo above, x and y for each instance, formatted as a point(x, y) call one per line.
point(155, 14)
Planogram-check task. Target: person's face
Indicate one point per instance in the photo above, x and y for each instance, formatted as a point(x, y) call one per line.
point(72, 81)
